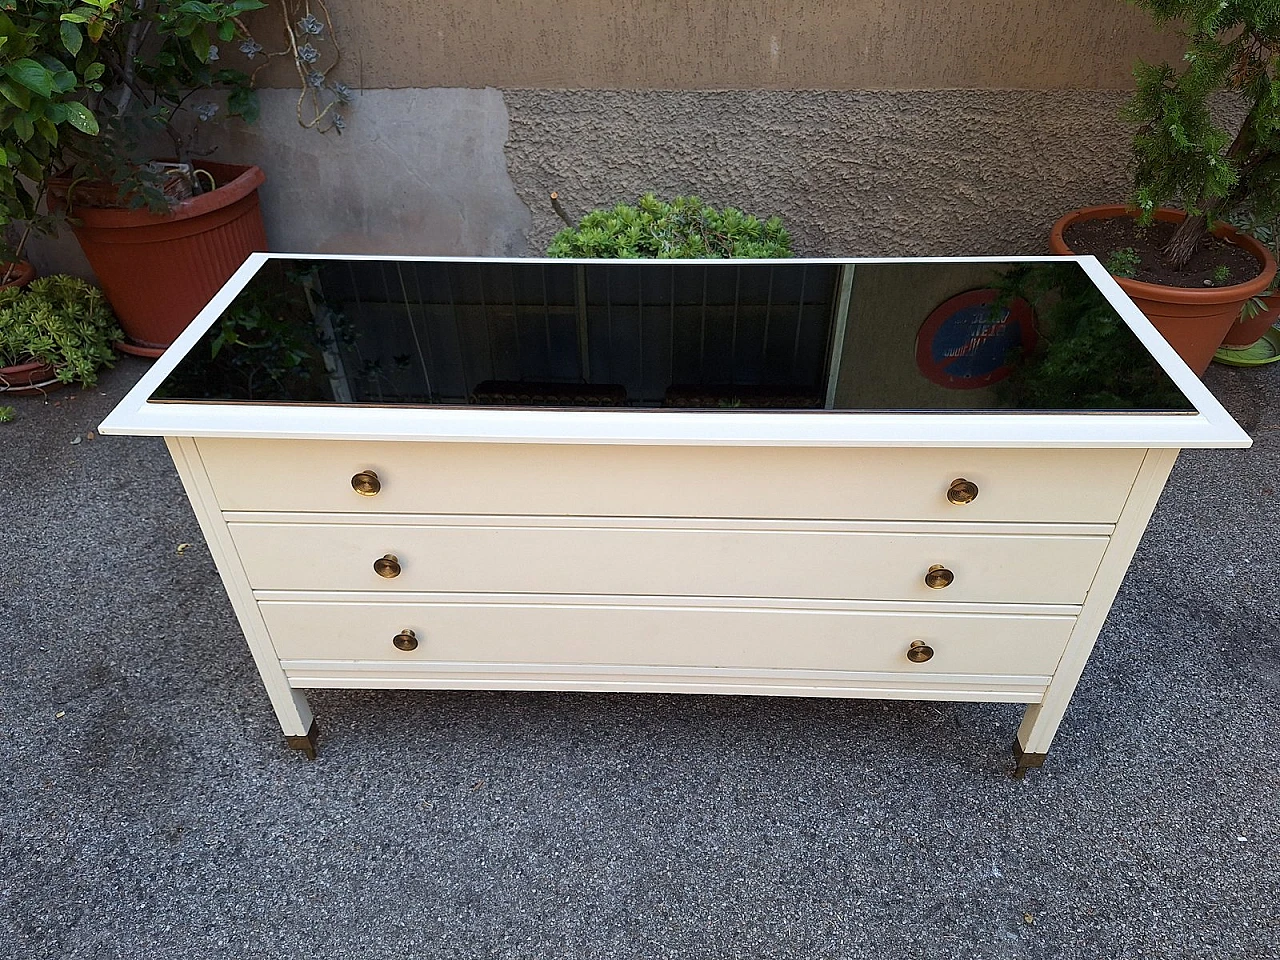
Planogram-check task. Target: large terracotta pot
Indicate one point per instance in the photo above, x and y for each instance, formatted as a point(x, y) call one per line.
point(1193, 320)
point(23, 273)
point(160, 270)
point(1245, 333)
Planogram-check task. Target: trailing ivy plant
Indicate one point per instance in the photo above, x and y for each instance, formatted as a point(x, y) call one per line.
point(61, 321)
point(685, 228)
point(1184, 156)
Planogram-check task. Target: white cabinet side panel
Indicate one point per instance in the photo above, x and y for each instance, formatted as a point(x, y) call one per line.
point(290, 705)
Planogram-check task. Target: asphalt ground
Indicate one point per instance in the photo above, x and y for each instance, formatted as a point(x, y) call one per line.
point(149, 809)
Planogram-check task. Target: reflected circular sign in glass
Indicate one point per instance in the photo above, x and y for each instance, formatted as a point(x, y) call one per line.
point(967, 343)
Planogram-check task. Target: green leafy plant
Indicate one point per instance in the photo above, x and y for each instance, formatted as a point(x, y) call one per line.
point(60, 321)
point(1221, 274)
point(1184, 155)
point(1123, 262)
point(84, 84)
point(163, 64)
point(7, 414)
point(685, 228)
point(50, 69)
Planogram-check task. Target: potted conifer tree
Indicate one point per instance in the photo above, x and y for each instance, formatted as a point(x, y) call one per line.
point(1172, 251)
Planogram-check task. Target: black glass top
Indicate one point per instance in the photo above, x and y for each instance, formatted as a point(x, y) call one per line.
point(912, 336)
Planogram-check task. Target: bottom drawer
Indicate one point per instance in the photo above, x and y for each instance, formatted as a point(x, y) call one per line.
point(635, 634)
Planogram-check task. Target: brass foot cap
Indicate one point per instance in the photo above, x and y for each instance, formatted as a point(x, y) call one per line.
point(306, 743)
point(1024, 761)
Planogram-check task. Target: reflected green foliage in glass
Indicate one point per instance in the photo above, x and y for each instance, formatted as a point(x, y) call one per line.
point(263, 347)
point(1086, 357)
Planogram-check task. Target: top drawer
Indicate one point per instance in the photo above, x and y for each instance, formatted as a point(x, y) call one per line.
point(1035, 486)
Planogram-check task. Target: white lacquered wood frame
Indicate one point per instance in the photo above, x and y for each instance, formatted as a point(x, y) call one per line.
point(1210, 426)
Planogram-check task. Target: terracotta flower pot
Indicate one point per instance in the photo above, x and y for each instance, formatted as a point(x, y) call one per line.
point(160, 270)
point(26, 379)
point(1245, 333)
point(23, 273)
point(1193, 320)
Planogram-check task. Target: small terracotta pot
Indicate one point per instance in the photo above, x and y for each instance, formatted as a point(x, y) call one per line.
point(1193, 320)
point(1245, 333)
point(23, 273)
point(159, 270)
point(28, 379)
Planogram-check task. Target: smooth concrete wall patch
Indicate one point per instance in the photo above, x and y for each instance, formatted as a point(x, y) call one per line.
point(416, 172)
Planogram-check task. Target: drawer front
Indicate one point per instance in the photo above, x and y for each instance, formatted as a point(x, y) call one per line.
point(668, 561)
point(1038, 486)
point(748, 637)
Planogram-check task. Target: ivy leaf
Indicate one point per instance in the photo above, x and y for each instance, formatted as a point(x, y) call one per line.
point(80, 117)
point(18, 96)
point(71, 37)
point(243, 103)
point(32, 76)
point(94, 71)
point(48, 130)
point(200, 44)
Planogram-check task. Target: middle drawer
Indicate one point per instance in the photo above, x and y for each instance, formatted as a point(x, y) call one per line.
point(639, 560)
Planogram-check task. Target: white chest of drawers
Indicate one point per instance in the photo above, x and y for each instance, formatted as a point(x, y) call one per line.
point(954, 554)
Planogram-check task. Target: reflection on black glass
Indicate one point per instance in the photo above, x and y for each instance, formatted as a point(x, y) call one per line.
point(714, 336)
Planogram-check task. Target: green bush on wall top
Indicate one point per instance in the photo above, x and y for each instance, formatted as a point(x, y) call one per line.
point(61, 321)
point(685, 228)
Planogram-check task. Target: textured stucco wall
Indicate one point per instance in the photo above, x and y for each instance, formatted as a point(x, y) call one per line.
point(884, 173)
point(463, 171)
point(746, 44)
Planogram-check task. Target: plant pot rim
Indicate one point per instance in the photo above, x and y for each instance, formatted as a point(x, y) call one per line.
point(1171, 294)
point(24, 273)
point(30, 366)
point(244, 179)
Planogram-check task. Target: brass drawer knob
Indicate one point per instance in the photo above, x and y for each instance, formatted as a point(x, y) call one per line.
point(919, 652)
point(937, 577)
point(405, 640)
point(962, 491)
point(388, 566)
point(366, 483)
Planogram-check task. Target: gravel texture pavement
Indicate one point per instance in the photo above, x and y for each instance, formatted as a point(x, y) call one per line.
point(149, 809)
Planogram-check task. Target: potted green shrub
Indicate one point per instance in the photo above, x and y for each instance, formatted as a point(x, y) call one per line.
point(57, 330)
point(684, 228)
point(1190, 272)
